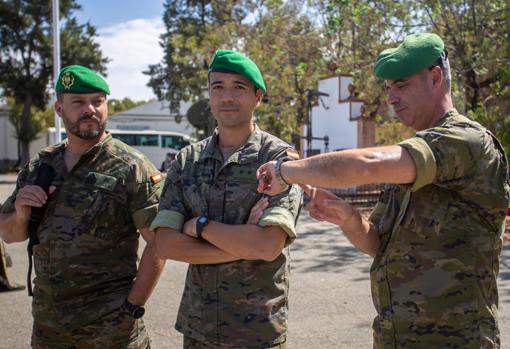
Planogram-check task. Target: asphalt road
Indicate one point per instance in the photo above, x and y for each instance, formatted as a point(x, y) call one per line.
point(330, 303)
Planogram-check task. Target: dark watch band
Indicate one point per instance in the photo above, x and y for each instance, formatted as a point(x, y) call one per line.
point(135, 311)
point(202, 221)
point(278, 169)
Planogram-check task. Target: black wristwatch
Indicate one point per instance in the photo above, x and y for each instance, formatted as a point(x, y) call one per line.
point(135, 311)
point(202, 221)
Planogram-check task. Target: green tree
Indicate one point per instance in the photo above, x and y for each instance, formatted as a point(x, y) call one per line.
point(182, 74)
point(26, 56)
point(291, 63)
point(475, 34)
point(357, 31)
point(119, 105)
point(478, 40)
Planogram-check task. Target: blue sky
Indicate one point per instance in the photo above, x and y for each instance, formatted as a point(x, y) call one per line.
point(129, 33)
point(103, 13)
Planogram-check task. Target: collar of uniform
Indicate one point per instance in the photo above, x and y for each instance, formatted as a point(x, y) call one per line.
point(247, 153)
point(211, 148)
point(449, 114)
point(98, 146)
point(250, 151)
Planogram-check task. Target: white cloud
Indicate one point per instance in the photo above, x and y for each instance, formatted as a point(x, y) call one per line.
point(131, 47)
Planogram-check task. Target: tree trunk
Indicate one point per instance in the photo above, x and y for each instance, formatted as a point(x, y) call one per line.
point(24, 131)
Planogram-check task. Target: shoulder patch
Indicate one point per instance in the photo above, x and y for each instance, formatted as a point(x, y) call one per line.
point(156, 178)
point(293, 154)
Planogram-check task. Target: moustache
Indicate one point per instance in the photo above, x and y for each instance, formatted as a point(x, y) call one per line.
point(88, 117)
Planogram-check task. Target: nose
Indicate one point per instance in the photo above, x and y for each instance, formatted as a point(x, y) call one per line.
point(89, 108)
point(393, 97)
point(227, 96)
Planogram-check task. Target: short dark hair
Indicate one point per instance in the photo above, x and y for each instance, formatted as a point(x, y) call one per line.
point(443, 63)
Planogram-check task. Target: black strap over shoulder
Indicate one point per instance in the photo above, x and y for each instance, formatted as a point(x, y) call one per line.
point(44, 178)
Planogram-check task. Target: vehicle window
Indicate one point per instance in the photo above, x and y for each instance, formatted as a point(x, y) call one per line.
point(175, 142)
point(137, 140)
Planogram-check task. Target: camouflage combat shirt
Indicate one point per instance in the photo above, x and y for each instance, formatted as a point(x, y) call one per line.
point(86, 260)
point(434, 276)
point(242, 303)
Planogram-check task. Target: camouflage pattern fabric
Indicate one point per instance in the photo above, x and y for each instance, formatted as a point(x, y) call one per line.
point(116, 330)
point(190, 343)
point(434, 277)
point(86, 260)
point(243, 303)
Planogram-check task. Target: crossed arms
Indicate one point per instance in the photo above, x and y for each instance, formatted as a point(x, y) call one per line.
point(221, 242)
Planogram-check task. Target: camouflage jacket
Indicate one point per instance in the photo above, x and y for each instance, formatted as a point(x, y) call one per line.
point(434, 277)
point(86, 260)
point(243, 303)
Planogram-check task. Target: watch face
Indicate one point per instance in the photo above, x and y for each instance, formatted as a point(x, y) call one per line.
point(138, 313)
point(202, 219)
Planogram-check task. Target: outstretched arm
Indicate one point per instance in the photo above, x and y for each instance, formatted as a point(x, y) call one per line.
point(341, 169)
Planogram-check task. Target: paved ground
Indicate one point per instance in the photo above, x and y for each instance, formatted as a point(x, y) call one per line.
point(330, 304)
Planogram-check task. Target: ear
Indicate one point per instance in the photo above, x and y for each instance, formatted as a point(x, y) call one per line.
point(259, 94)
point(58, 108)
point(437, 76)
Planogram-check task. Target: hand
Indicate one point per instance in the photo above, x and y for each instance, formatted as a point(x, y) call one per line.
point(326, 206)
point(190, 228)
point(268, 183)
point(257, 210)
point(30, 196)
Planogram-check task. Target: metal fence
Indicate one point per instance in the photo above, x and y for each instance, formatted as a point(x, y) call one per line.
point(360, 196)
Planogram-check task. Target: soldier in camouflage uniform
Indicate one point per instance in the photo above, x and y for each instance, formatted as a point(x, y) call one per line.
point(436, 233)
point(237, 284)
point(103, 192)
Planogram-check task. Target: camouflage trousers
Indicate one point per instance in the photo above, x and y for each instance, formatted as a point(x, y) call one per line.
point(117, 330)
point(190, 343)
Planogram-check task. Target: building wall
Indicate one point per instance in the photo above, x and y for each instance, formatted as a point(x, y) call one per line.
point(331, 117)
point(8, 141)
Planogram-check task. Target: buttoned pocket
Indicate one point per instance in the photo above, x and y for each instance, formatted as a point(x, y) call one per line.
point(100, 205)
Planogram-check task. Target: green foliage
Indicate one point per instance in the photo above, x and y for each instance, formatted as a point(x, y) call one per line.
point(41, 120)
point(117, 106)
point(295, 43)
point(193, 30)
point(291, 63)
point(26, 66)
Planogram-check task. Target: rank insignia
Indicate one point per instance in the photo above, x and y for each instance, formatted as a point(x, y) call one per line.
point(67, 80)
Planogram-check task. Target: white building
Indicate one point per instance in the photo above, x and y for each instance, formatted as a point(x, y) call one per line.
point(338, 116)
point(153, 115)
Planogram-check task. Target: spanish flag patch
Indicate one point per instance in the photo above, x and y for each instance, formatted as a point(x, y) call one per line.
point(293, 154)
point(156, 178)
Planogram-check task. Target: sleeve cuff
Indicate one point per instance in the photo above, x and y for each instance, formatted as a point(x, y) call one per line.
point(143, 217)
point(168, 219)
point(277, 216)
point(424, 161)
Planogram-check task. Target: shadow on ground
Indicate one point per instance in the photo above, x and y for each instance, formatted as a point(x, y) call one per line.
point(331, 252)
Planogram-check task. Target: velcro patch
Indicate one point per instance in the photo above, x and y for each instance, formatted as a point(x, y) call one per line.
point(293, 154)
point(156, 178)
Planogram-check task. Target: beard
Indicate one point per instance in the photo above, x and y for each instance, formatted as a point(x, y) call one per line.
point(89, 132)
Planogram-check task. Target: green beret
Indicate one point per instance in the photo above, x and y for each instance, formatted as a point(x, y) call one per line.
point(415, 53)
point(235, 62)
point(78, 79)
